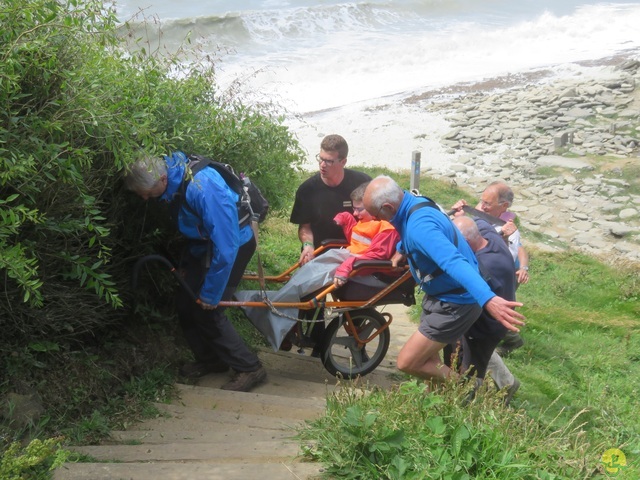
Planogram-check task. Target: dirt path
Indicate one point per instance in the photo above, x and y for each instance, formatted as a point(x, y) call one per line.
point(213, 434)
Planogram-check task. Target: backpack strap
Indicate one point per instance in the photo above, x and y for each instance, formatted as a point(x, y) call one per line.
point(198, 163)
point(438, 271)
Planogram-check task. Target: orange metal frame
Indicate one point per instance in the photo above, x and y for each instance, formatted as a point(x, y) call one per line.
point(320, 299)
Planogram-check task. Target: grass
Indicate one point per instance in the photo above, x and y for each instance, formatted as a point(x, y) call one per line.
point(579, 369)
point(411, 433)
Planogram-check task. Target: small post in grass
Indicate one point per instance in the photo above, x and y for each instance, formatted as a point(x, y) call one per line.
point(415, 171)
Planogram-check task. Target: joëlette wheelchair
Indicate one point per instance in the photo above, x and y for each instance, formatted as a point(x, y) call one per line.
point(357, 336)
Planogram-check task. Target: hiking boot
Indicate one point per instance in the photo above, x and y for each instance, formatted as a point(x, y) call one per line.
point(511, 341)
point(245, 381)
point(511, 391)
point(200, 369)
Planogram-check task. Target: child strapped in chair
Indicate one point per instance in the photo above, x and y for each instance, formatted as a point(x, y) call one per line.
point(369, 239)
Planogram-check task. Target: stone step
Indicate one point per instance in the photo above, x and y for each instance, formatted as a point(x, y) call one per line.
point(172, 435)
point(307, 375)
point(284, 366)
point(226, 452)
point(188, 471)
point(201, 420)
point(209, 433)
point(249, 402)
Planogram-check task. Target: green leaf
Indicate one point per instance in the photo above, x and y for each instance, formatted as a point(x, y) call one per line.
point(460, 433)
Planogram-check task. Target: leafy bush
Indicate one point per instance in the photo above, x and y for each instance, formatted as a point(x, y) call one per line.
point(76, 108)
point(414, 434)
point(79, 100)
point(35, 461)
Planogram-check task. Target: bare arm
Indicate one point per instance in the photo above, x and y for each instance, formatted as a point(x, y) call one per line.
point(522, 275)
point(306, 238)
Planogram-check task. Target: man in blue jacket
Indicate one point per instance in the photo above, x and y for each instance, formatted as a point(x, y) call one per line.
point(213, 262)
point(446, 269)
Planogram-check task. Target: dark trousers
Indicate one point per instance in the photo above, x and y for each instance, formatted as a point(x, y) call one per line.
point(472, 355)
point(477, 352)
point(209, 333)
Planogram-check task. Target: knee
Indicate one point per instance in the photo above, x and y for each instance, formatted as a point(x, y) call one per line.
point(404, 363)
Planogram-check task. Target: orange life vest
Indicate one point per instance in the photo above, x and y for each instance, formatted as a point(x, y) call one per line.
point(363, 233)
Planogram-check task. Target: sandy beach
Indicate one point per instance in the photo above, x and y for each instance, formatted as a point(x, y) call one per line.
point(385, 131)
point(508, 128)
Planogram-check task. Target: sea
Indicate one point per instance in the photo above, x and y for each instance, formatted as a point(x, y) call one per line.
point(329, 63)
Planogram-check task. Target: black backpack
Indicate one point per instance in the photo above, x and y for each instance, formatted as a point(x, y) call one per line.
point(251, 203)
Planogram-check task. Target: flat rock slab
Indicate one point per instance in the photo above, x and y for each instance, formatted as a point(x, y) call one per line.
point(563, 162)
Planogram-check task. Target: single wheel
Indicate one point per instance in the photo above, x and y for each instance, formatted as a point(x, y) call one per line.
point(341, 354)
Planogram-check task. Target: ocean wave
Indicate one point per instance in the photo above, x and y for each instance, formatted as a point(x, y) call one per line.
point(264, 27)
point(320, 56)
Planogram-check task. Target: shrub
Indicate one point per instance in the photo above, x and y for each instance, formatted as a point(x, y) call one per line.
point(77, 104)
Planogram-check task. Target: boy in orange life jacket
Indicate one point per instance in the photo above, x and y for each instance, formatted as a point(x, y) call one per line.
point(369, 239)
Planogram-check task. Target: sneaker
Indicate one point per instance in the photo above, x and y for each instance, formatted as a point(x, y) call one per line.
point(511, 391)
point(200, 369)
point(245, 381)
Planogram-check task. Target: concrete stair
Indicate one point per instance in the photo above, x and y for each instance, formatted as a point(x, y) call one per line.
point(208, 433)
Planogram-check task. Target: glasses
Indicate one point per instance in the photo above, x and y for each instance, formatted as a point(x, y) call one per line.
point(489, 204)
point(358, 209)
point(328, 163)
point(377, 215)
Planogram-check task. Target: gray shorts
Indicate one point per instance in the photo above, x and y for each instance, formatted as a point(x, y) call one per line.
point(446, 322)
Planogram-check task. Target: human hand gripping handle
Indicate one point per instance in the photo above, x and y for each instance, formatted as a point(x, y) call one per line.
point(397, 260)
point(504, 312)
point(508, 229)
point(206, 306)
point(457, 207)
point(339, 281)
point(306, 255)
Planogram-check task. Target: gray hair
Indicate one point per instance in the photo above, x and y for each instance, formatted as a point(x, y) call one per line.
point(468, 228)
point(505, 194)
point(144, 173)
point(387, 191)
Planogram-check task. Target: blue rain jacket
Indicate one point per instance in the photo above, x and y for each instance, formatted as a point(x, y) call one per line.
point(214, 217)
point(428, 235)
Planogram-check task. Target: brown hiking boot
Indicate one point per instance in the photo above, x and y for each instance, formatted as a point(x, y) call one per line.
point(245, 381)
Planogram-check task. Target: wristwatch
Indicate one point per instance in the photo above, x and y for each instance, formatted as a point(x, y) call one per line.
point(526, 269)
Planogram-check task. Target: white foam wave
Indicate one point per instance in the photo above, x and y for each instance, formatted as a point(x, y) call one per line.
point(353, 64)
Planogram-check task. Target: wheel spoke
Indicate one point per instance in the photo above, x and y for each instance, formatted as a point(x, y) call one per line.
point(356, 355)
point(366, 330)
point(348, 342)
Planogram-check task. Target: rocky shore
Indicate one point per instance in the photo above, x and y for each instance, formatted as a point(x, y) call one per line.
point(568, 147)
